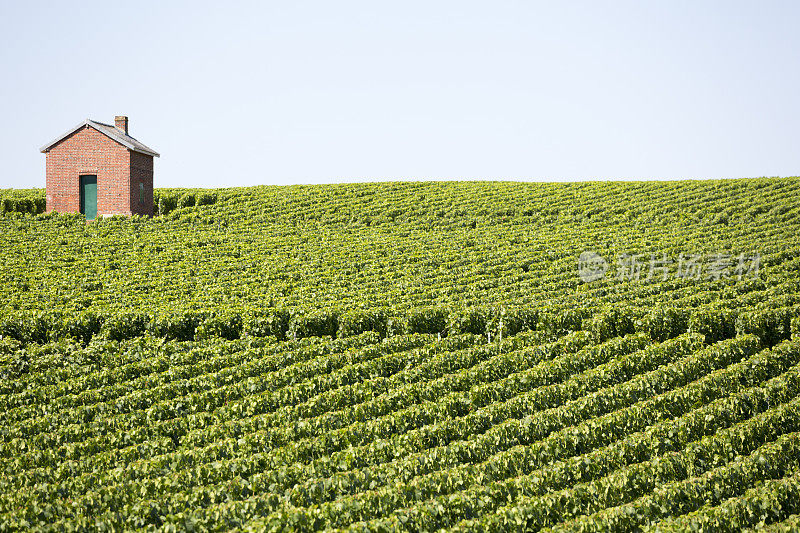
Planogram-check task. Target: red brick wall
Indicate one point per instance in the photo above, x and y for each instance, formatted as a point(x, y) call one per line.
point(87, 151)
point(141, 172)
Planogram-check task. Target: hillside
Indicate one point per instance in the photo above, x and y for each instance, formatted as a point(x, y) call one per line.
point(406, 356)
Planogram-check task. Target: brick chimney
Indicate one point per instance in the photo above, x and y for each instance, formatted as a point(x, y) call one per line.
point(121, 123)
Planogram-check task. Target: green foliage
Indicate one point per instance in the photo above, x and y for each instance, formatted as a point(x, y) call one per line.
point(27, 327)
point(82, 326)
point(167, 200)
point(665, 322)
point(714, 324)
point(359, 321)
point(29, 205)
point(226, 326)
point(770, 325)
point(124, 326)
point(206, 198)
point(163, 202)
point(427, 320)
point(475, 320)
point(186, 200)
point(612, 323)
point(517, 319)
point(563, 321)
point(316, 324)
point(263, 323)
point(401, 357)
point(175, 326)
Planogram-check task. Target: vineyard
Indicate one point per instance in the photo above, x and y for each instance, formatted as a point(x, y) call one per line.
point(405, 356)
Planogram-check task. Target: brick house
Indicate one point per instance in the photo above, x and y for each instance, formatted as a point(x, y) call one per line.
point(99, 170)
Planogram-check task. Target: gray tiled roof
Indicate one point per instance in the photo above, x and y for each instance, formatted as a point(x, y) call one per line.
point(109, 131)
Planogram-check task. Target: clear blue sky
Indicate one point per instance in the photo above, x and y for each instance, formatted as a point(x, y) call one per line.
point(235, 93)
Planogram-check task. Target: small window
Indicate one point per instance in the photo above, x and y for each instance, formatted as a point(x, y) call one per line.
point(141, 193)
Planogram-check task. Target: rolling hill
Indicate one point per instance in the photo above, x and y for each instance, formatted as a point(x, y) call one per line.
point(482, 356)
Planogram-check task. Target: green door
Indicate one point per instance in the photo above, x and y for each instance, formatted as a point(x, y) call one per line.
point(89, 196)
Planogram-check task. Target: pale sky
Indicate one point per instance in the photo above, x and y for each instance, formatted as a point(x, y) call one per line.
point(245, 93)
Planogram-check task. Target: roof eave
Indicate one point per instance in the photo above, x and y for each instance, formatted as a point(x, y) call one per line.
point(145, 152)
